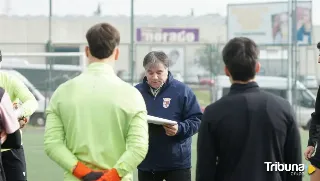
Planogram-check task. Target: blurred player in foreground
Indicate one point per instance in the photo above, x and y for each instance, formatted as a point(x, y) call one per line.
point(96, 121)
point(9, 126)
point(14, 162)
point(314, 137)
point(169, 156)
point(248, 127)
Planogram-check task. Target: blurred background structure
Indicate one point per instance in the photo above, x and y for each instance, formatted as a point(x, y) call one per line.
point(42, 42)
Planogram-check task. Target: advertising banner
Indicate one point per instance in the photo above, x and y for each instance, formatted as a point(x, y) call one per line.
point(268, 23)
point(172, 35)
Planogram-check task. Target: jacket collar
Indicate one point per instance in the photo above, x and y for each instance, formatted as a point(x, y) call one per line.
point(251, 86)
point(100, 67)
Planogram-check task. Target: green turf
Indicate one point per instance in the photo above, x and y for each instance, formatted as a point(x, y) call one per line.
point(203, 96)
point(41, 168)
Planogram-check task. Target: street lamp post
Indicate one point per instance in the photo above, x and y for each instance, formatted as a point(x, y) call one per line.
point(49, 49)
point(132, 41)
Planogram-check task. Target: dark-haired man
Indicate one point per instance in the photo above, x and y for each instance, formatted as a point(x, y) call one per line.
point(313, 141)
point(318, 46)
point(96, 121)
point(169, 155)
point(247, 133)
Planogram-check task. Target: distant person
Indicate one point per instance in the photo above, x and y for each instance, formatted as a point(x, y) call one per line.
point(314, 137)
point(318, 46)
point(96, 127)
point(9, 126)
point(248, 127)
point(13, 159)
point(169, 155)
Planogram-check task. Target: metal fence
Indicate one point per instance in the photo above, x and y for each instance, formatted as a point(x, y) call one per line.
point(196, 64)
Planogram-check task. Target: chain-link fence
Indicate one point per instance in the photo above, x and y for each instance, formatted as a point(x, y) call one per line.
point(196, 64)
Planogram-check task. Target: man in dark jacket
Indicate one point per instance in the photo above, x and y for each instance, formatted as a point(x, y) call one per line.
point(313, 141)
point(248, 134)
point(169, 155)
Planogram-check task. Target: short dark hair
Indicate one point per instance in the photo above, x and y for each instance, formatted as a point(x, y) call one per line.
point(240, 56)
point(154, 57)
point(102, 38)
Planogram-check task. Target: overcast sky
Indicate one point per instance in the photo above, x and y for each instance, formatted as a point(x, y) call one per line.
point(116, 7)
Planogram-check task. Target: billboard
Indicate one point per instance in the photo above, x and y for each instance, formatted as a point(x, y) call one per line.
point(268, 23)
point(163, 35)
point(176, 57)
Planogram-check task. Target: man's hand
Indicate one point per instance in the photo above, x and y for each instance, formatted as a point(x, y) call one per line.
point(308, 153)
point(84, 173)
point(111, 175)
point(170, 129)
point(23, 122)
point(3, 136)
point(18, 112)
point(94, 175)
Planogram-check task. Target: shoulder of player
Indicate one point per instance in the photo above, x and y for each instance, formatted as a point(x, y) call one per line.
point(278, 103)
point(274, 98)
point(6, 76)
point(130, 88)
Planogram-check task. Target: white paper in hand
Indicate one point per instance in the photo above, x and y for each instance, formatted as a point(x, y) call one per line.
point(160, 121)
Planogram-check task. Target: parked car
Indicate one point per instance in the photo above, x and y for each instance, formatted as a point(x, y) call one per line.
point(37, 118)
point(310, 81)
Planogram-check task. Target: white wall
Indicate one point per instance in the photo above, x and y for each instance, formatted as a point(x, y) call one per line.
point(29, 34)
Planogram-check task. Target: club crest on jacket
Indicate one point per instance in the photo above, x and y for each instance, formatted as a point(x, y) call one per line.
point(166, 102)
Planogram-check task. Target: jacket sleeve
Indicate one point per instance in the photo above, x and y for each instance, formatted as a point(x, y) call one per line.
point(206, 151)
point(191, 115)
point(54, 136)
point(292, 147)
point(315, 123)
point(29, 102)
point(313, 131)
point(137, 138)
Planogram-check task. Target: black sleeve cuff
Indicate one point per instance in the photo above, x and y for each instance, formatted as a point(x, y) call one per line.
point(311, 143)
point(13, 141)
point(315, 117)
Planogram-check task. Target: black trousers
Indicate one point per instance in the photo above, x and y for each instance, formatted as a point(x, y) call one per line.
point(174, 175)
point(14, 164)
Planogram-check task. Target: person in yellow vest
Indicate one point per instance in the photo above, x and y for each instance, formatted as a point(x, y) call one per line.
point(14, 159)
point(96, 121)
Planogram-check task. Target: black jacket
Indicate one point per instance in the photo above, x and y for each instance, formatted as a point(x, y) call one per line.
point(242, 131)
point(315, 123)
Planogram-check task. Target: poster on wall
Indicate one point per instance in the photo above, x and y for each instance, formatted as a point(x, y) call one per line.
point(268, 23)
point(176, 57)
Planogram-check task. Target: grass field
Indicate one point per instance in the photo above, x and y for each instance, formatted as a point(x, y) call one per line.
point(41, 168)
